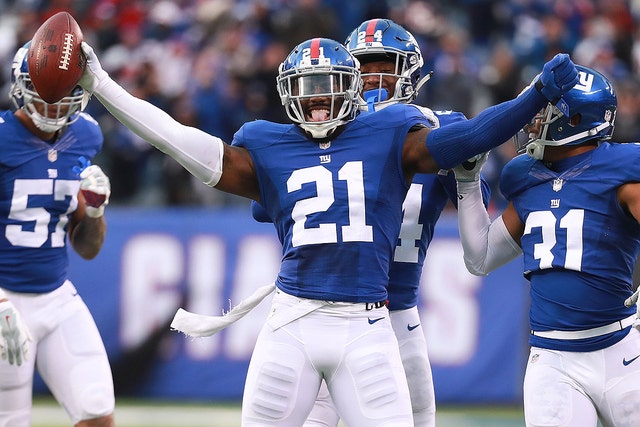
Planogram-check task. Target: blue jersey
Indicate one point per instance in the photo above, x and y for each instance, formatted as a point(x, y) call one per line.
point(337, 207)
point(427, 197)
point(425, 201)
point(38, 193)
point(579, 246)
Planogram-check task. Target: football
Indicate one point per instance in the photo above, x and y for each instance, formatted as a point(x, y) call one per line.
point(55, 60)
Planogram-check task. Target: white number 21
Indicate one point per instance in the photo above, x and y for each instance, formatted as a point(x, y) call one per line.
point(356, 231)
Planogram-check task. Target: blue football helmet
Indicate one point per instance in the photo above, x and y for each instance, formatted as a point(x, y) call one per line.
point(318, 84)
point(586, 112)
point(46, 117)
point(383, 39)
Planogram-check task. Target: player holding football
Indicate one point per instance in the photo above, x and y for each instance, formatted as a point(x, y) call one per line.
point(336, 199)
point(390, 65)
point(49, 195)
point(573, 212)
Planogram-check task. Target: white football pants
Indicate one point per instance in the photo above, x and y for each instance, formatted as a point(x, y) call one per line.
point(353, 349)
point(415, 360)
point(570, 389)
point(70, 356)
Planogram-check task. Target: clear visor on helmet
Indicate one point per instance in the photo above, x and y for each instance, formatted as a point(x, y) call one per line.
point(317, 85)
point(46, 117)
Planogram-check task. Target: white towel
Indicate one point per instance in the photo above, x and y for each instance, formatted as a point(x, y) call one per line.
point(199, 325)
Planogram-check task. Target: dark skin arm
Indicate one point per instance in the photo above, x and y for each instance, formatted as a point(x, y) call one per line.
point(416, 157)
point(239, 174)
point(86, 234)
point(513, 223)
point(629, 199)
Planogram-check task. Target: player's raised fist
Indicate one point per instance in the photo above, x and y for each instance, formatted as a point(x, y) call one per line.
point(558, 76)
point(55, 59)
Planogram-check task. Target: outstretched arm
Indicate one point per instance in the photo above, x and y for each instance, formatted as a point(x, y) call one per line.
point(450, 145)
point(203, 155)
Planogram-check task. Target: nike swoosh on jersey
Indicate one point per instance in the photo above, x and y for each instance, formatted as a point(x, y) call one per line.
point(626, 362)
point(372, 321)
point(411, 328)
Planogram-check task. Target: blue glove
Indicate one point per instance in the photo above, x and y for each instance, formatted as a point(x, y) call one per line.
point(558, 76)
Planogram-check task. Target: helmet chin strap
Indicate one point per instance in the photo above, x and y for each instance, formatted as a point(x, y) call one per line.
point(422, 81)
point(536, 148)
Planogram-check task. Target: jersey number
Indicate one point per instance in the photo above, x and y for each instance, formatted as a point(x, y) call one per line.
point(411, 229)
point(33, 230)
point(356, 231)
point(572, 221)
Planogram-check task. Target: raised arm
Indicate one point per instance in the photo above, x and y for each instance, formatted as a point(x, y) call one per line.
point(487, 245)
point(203, 155)
point(427, 151)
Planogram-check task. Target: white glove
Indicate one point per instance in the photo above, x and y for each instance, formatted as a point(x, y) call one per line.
point(633, 299)
point(96, 189)
point(15, 336)
point(469, 170)
point(93, 72)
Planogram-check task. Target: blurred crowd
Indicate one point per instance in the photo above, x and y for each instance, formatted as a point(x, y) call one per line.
point(212, 64)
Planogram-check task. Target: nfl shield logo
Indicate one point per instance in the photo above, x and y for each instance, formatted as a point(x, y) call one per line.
point(325, 145)
point(52, 155)
point(557, 184)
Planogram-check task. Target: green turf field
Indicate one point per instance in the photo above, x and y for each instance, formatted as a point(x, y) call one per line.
point(132, 413)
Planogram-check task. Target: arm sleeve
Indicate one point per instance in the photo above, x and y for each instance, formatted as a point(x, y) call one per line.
point(197, 151)
point(453, 144)
point(486, 245)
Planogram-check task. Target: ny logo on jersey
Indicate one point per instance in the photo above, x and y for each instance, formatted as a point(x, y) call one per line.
point(52, 173)
point(325, 158)
point(555, 203)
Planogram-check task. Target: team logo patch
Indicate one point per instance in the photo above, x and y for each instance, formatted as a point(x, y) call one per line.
point(557, 184)
point(607, 115)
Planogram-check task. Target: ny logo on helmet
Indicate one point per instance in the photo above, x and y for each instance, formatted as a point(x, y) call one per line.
point(585, 82)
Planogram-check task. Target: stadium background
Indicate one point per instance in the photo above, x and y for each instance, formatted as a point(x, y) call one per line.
point(212, 63)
